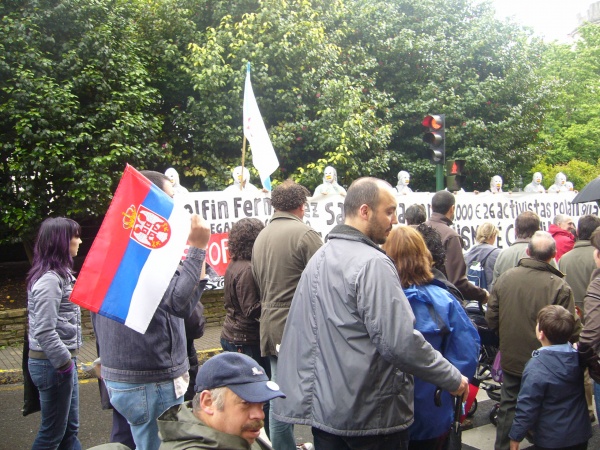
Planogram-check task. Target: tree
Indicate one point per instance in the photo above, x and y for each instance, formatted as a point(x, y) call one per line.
point(75, 107)
point(454, 57)
point(347, 83)
point(89, 85)
point(318, 111)
point(572, 128)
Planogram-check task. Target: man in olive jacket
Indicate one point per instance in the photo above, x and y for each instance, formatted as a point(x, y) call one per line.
point(227, 410)
point(280, 254)
point(578, 264)
point(526, 224)
point(518, 296)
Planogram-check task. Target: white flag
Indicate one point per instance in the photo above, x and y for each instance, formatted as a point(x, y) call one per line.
point(263, 155)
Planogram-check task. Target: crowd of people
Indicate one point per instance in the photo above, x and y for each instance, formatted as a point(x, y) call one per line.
point(362, 336)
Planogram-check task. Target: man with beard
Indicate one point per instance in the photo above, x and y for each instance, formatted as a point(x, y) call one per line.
point(227, 410)
point(349, 344)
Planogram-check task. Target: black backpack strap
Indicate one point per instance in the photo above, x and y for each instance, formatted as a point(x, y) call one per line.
point(487, 256)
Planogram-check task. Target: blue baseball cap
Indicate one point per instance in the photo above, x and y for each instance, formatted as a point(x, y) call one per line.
point(240, 373)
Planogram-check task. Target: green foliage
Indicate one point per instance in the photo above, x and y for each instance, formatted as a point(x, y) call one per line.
point(572, 128)
point(75, 107)
point(89, 85)
point(317, 101)
point(347, 83)
point(578, 172)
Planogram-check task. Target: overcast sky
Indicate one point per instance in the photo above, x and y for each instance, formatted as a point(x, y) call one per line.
point(552, 19)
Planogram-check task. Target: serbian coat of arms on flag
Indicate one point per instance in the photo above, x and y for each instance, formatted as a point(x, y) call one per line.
point(135, 253)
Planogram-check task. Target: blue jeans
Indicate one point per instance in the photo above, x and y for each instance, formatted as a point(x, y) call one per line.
point(141, 404)
point(281, 433)
point(59, 399)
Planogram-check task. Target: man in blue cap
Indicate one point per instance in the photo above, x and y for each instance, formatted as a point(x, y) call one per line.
point(227, 410)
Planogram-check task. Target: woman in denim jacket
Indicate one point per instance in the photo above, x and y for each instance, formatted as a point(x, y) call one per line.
point(55, 333)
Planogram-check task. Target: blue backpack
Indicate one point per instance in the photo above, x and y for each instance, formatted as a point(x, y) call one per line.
point(476, 272)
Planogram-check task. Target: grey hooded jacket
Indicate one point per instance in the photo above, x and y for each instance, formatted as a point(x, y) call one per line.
point(349, 344)
point(54, 322)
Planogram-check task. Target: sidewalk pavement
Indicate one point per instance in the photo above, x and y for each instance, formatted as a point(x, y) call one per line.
point(11, 357)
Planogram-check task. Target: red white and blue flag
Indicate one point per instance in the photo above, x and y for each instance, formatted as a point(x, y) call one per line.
point(135, 253)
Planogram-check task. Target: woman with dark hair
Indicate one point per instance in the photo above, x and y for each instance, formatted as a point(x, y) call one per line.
point(443, 322)
point(242, 299)
point(241, 329)
point(55, 333)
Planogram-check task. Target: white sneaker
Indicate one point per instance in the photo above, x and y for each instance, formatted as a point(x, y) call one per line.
point(305, 446)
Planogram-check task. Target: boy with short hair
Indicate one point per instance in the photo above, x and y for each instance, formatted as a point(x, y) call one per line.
point(551, 402)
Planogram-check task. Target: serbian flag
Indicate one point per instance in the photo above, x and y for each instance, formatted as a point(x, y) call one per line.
point(263, 154)
point(135, 253)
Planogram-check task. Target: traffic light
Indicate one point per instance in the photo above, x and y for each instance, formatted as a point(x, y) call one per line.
point(455, 177)
point(436, 137)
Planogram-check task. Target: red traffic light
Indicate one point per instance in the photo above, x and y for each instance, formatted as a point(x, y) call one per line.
point(435, 137)
point(434, 122)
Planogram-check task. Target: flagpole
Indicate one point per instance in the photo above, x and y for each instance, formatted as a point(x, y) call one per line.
point(243, 160)
point(244, 143)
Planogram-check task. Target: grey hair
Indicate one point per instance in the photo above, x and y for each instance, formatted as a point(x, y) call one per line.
point(196, 402)
point(542, 246)
point(560, 218)
point(218, 398)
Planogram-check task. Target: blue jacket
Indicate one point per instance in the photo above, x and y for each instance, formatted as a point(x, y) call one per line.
point(443, 322)
point(161, 353)
point(551, 401)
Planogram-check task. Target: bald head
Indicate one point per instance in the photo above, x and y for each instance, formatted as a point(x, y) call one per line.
point(363, 191)
point(542, 246)
point(370, 207)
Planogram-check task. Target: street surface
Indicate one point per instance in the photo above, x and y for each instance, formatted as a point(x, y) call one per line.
point(18, 432)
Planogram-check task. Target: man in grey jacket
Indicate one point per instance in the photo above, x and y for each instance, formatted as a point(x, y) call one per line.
point(349, 344)
point(147, 373)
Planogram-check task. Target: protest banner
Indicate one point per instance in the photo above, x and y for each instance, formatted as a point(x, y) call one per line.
point(222, 210)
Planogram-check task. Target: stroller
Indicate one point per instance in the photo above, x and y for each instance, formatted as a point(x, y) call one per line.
point(487, 377)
